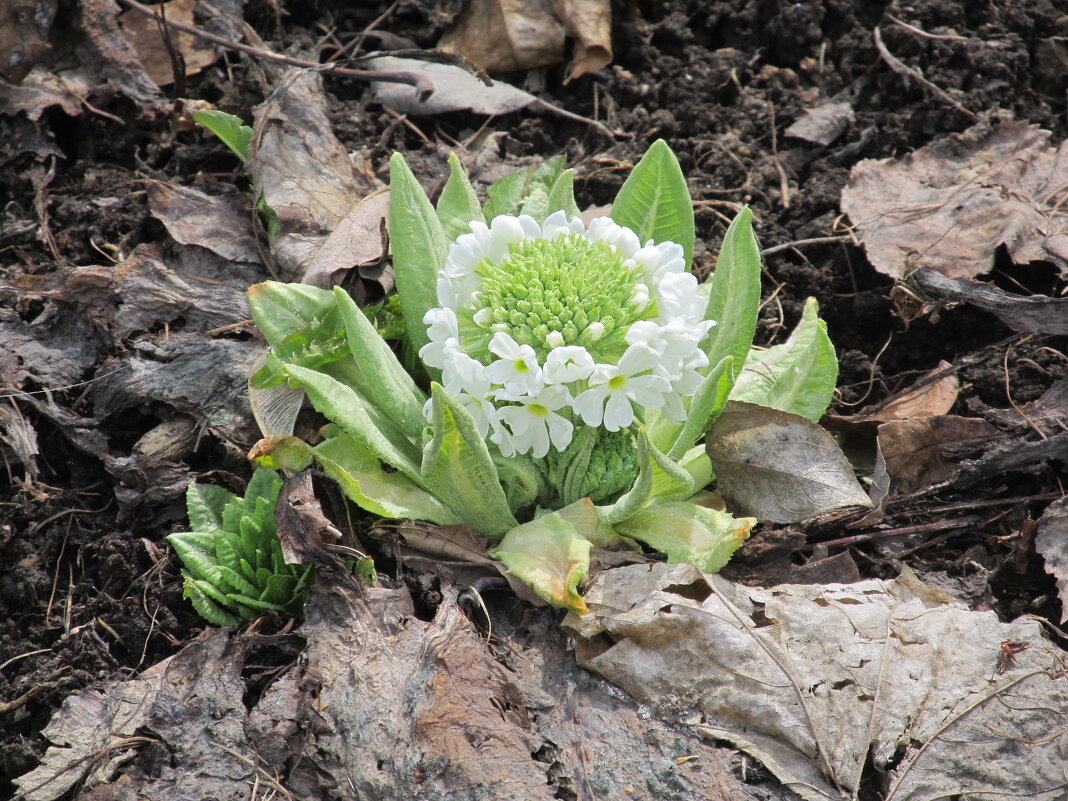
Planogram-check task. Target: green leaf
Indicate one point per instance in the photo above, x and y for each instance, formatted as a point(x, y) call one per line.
point(550, 556)
point(708, 401)
point(196, 549)
point(582, 514)
point(735, 294)
point(458, 469)
point(230, 129)
point(350, 410)
point(655, 469)
point(365, 481)
point(205, 503)
point(383, 378)
point(654, 201)
point(419, 248)
point(209, 609)
point(262, 490)
point(525, 191)
point(689, 533)
point(798, 376)
point(457, 204)
point(235, 581)
point(562, 195)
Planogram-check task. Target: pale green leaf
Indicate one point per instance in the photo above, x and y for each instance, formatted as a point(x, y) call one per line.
point(419, 248)
point(550, 556)
point(363, 479)
point(205, 504)
point(352, 412)
point(798, 376)
point(383, 378)
point(655, 471)
point(654, 201)
point(707, 403)
point(458, 469)
point(209, 609)
point(689, 533)
point(734, 298)
point(457, 204)
point(562, 195)
point(262, 487)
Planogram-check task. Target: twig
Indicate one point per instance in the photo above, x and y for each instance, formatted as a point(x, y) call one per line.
point(920, 32)
point(903, 69)
point(420, 82)
point(891, 533)
point(816, 240)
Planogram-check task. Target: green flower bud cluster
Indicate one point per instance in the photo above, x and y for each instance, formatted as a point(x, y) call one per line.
point(598, 464)
point(562, 286)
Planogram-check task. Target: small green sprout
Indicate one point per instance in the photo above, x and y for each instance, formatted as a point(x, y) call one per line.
point(234, 568)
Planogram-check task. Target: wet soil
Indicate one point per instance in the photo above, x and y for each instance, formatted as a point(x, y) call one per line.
point(88, 589)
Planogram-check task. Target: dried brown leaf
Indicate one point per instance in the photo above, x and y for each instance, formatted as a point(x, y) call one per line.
point(24, 26)
point(1051, 542)
point(913, 450)
point(144, 34)
point(357, 241)
point(220, 223)
point(589, 23)
point(951, 204)
point(506, 35)
point(455, 89)
point(926, 399)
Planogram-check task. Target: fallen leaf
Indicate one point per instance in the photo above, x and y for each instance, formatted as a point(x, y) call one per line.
point(1051, 543)
point(823, 124)
point(143, 32)
point(951, 204)
point(589, 23)
point(506, 35)
point(301, 170)
point(1048, 413)
point(925, 398)
point(914, 450)
point(24, 26)
point(1036, 313)
point(220, 223)
point(816, 681)
point(397, 702)
point(455, 89)
point(778, 466)
point(357, 241)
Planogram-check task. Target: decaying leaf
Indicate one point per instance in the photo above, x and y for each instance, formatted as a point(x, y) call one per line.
point(144, 34)
point(913, 450)
point(455, 89)
point(357, 241)
point(300, 170)
point(778, 466)
point(24, 26)
point(1051, 542)
point(951, 204)
point(399, 708)
point(926, 398)
point(823, 124)
point(221, 223)
point(1047, 413)
point(514, 35)
point(815, 681)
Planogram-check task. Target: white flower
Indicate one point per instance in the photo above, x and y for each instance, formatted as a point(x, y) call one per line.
point(619, 385)
point(607, 230)
point(517, 370)
point(568, 363)
point(557, 224)
point(444, 335)
point(679, 298)
point(534, 423)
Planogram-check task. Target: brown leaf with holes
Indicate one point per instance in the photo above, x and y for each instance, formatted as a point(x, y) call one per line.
point(951, 204)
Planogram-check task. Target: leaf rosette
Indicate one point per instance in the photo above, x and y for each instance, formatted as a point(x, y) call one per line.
point(573, 370)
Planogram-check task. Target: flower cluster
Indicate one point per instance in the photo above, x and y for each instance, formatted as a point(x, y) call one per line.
point(543, 325)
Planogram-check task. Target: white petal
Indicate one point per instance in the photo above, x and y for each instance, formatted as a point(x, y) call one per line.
point(637, 359)
point(504, 346)
point(560, 431)
point(539, 439)
point(590, 405)
point(618, 413)
point(531, 229)
point(504, 230)
point(568, 363)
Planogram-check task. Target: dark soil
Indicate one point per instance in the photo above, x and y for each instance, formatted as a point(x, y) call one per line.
point(89, 590)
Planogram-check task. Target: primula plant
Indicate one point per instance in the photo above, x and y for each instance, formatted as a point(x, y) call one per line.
point(571, 371)
point(233, 564)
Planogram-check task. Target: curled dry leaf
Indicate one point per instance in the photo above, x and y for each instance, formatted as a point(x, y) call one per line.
point(816, 681)
point(914, 450)
point(514, 35)
point(24, 26)
point(220, 223)
point(1051, 542)
point(925, 399)
point(951, 204)
point(778, 466)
